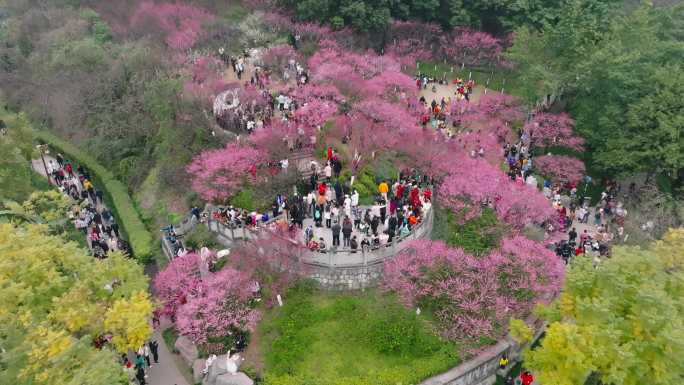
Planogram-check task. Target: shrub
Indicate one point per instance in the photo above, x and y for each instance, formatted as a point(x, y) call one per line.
point(116, 194)
point(200, 237)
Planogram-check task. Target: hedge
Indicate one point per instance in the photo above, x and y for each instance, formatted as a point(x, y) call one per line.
point(116, 193)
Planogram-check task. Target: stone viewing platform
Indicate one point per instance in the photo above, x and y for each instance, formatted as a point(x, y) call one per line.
point(338, 268)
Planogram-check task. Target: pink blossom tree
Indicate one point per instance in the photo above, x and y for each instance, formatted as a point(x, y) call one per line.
point(180, 279)
point(473, 48)
point(180, 25)
point(205, 78)
point(218, 174)
point(315, 113)
point(546, 130)
point(277, 57)
point(474, 297)
point(473, 182)
point(311, 92)
point(493, 112)
point(560, 167)
point(221, 301)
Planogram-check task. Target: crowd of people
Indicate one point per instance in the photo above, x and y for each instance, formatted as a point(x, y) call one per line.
point(138, 369)
point(88, 214)
point(250, 115)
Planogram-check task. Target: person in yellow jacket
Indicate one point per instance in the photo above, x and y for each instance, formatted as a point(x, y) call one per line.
point(383, 188)
point(503, 362)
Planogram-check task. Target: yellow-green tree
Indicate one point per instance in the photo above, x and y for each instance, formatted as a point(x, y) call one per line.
point(56, 299)
point(621, 322)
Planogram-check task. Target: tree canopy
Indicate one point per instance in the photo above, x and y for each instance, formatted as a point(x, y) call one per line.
point(620, 72)
point(620, 321)
point(498, 16)
point(57, 301)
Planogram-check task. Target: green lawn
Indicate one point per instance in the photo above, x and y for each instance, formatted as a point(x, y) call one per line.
point(367, 338)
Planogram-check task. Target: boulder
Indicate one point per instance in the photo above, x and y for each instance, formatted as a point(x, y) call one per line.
point(217, 368)
point(187, 350)
point(197, 370)
point(233, 379)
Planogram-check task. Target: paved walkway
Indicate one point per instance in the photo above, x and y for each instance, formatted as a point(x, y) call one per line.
point(166, 372)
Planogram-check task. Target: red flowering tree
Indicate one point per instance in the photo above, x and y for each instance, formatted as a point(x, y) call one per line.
point(311, 92)
point(180, 25)
point(221, 301)
point(546, 130)
point(472, 48)
point(205, 79)
point(473, 182)
point(474, 297)
point(494, 112)
point(217, 174)
point(315, 113)
point(560, 167)
point(179, 280)
point(277, 57)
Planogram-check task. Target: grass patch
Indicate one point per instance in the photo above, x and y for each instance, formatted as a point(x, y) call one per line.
point(369, 338)
point(496, 79)
point(170, 336)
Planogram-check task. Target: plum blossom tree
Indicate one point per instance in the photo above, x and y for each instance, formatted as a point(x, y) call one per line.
point(474, 297)
point(205, 78)
point(560, 167)
point(493, 112)
point(180, 25)
point(312, 91)
point(277, 57)
point(472, 48)
point(546, 130)
point(180, 279)
point(315, 113)
point(473, 182)
point(221, 301)
point(218, 174)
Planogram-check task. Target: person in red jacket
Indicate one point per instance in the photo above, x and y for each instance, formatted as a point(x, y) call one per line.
point(322, 188)
point(527, 378)
point(330, 153)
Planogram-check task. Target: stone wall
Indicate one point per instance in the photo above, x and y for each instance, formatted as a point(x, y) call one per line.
point(342, 276)
point(483, 368)
point(347, 277)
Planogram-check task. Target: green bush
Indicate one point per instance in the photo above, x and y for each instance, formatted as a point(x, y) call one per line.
point(477, 236)
point(116, 195)
point(200, 237)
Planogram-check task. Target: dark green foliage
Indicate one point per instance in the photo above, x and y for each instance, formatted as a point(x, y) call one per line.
point(620, 74)
point(496, 16)
point(201, 237)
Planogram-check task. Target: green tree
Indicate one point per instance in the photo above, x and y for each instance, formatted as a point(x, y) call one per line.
point(619, 73)
point(621, 321)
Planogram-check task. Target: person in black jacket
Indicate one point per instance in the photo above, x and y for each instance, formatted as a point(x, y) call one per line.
point(336, 228)
point(354, 244)
point(391, 228)
point(347, 228)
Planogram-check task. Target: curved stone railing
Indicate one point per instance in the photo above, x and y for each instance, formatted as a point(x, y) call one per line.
point(336, 269)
